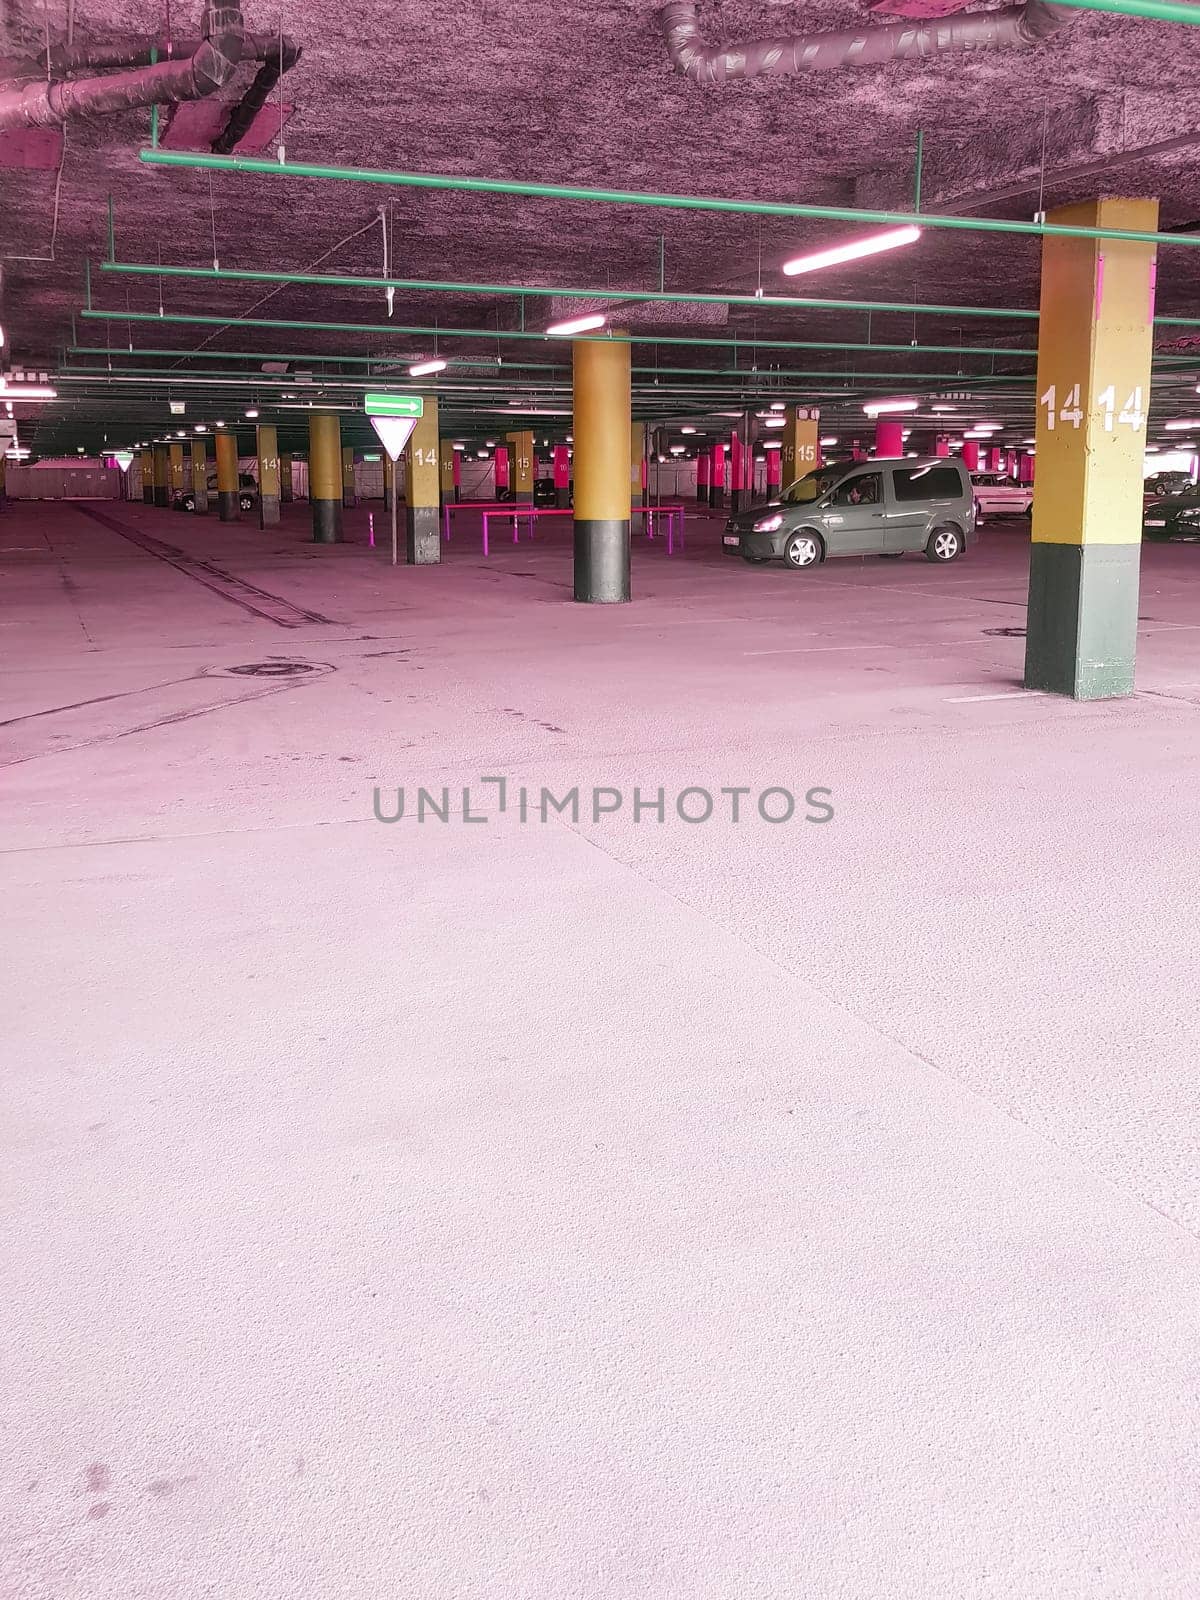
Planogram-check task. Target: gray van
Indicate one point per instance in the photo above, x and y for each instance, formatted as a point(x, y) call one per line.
point(879, 507)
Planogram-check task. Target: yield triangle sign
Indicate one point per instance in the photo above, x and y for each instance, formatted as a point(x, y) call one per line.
point(393, 433)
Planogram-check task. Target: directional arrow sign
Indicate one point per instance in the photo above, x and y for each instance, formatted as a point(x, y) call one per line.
point(394, 405)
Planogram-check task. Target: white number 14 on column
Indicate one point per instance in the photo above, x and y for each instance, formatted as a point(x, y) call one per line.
point(1131, 414)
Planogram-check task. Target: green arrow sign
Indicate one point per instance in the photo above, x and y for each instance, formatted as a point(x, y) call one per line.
point(393, 405)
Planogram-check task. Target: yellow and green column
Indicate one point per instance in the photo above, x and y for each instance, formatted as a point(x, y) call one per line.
point(226, 448)
point(639, 476)
point(446, 470)
point(325, 477)
point(1095, 344)
point(520, 450)
point(423, 511)
point(147, 459)
point(349, 494)
point(603, 477)
point(268, 476)
point(162, 475)
point(800, 451)
point(286, 492)
point(200, 477)
point(177, 482)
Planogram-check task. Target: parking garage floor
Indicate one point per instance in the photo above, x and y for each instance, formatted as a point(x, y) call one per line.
point(599, 1208)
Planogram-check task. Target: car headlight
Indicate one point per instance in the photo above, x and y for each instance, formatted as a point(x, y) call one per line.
point(1190, 515)
point(768, 524)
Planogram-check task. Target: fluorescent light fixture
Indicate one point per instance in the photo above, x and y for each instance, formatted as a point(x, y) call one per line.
point(564, 330)
point(458, 447)
point(830, 439)
point(778, 405)
point(252, 413)
point(892, 239)
point(1181, 425)
point(988, 427)
point(687, 430)
point(27, 391)
point(876, 408)
point(943, 408)
point(482, 454)
point(178, 407)
point(422, 369)
point(202, 427)
point(772, 444)
point(774, 422)
point(1, 336)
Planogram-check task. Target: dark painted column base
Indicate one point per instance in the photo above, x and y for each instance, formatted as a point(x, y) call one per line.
point(327, 521)
point(268, 511)
point(348, 500)
point(161, 496)
point(422, 535)
point(148, 496)
point(737, 499)
point(716, 498)
point(562, 497)
point(601, 560)
point(229, 505)
point(286, 493)
point(1081, 635)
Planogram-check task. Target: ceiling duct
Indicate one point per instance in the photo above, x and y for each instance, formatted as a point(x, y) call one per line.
point(128, 75)
point(872, 46)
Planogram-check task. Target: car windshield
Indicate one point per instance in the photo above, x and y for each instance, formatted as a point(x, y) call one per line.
point(813, 486)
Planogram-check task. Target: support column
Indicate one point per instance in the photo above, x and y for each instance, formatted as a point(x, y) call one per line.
point(639, 475)
point(520, 447)
point(268, 477)
point(227, 477)
point(446, 460)
point(325, 477)
point(716, 486)
point(177, 483)
point(602, 469)
point(200, 476)
point(970, 454)
point(1025, 468)
point(1095, 342)
point(162, 475)
point(889, 438)
point(801, 448)
point(3, 480)
point(286, 491)
point(456, 465)
point(703, 477)
point(941, 445)
point(737, 472)
point(147, 457)
point(349, 491)
point(423, 511)
point(774, 473)
point(562, 475)
point(501, 474)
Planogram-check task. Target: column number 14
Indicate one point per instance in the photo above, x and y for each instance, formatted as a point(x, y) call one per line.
point(1131, 414)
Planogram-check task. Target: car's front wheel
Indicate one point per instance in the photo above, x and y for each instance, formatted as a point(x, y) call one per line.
point(246, 502)
point(945, 544)
point(802, 550)
point(189, 502)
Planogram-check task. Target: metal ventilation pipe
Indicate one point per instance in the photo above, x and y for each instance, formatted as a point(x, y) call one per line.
point(199, 70)
point(870, 46)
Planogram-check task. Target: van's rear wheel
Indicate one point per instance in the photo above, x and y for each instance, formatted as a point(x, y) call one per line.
point(945, 544)
point(802, 550)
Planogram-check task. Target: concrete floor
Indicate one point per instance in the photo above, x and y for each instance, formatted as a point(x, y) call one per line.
point(524, 1212)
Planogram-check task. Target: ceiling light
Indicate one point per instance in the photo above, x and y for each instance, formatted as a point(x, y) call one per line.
point(220, 424)
point(202, 427)
point(27, 391)
point(943, 408)
point(252, 413)
point(1, 336)
point(422, 369)
point(772, 444)
point(180, 433)
point(875, 408)
point(563, 330)
point(778, 405)
point(1181, 425)
point(774, 422)
point(687, 430)
point(892, 239)
point(831, 439)
point(989, 427)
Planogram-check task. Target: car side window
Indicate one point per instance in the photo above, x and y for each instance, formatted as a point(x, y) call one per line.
point(929, 483)
point(866, 489)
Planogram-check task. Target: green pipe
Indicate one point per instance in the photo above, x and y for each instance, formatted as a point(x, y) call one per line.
point(767, 375)
point(679, 202)
point(509, 333)
point(341, 280)
point(1154, 10)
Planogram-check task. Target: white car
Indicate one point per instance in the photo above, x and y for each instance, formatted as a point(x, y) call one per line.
point(996, 496)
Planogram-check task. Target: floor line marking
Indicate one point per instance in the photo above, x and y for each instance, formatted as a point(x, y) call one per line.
point(1009, 694)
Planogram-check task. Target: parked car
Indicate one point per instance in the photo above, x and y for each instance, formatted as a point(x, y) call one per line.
point(1164, 483)
point(1173, 517)
point(861, 508)
point(998, 496)
point(185, 499)
point(545, 493)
